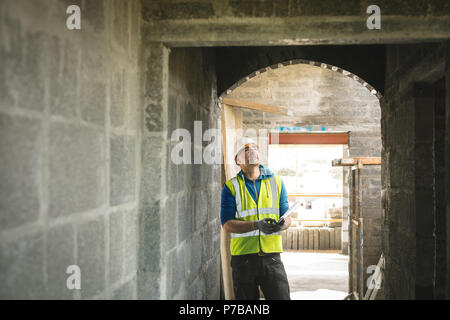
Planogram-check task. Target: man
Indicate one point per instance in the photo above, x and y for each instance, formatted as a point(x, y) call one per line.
point(252, 203)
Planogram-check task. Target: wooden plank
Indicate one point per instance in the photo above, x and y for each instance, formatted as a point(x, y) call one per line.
point(231, 126)
point(343, 162)
point(231, 121)
point(257, 106)
point(308, 138)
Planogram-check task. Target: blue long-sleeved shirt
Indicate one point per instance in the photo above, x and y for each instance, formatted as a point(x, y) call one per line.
point(228, 205)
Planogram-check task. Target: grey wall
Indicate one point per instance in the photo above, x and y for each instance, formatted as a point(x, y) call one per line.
point(192, 204)
point(180, 204)
point(287, 23)
point(69, 145)
point(414, 226)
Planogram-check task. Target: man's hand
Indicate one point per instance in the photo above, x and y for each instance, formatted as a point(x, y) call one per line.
point(267, 225)
point(277, 225)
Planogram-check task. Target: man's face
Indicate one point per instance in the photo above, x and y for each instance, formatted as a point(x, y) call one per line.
point(249, 155)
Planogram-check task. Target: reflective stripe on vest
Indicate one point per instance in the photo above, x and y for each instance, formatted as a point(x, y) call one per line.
point(247, 210)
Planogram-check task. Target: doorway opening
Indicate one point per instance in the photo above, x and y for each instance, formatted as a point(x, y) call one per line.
point(313, 257)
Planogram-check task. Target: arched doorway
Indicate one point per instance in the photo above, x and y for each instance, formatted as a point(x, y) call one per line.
point(325, 99)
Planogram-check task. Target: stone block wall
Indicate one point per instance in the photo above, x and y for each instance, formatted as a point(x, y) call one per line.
point(69, 149)
point(192, 211)
point(413, 226)
point(180, 205)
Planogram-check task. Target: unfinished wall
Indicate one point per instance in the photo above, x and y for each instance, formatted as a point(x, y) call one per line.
point(414, 136)
point(180, 211)
point(69, 145)
point(324, 100)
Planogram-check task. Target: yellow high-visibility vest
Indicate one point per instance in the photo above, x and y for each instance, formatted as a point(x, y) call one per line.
point(247, 210)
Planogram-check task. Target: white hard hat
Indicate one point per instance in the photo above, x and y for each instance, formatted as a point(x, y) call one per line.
point(241, 143)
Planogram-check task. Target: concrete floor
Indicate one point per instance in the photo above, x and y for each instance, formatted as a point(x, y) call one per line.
point(316, 276)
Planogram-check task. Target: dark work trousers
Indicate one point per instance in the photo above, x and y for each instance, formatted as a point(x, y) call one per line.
point(251, 270)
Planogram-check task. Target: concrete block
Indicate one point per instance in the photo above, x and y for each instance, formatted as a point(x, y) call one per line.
point(171, 223)
point(125, 292)
point(200, 209)
point(212, 279)
point(262, 8)
point(6, 93)
point(196, 291)
point(327, 239)
point(64, 82)
point(196, 175)
point(176, 275)
point(316, 239)
point(332, 238)
point(28, 73)
point(149, 242)
point(91, 257)
point(77, 164)
point(195, 261)
point(173, 181)
point(118, 98)
point(305, 239)
point(338, 238)
point(311, 239)
point(289, 240)
point(295, 239)
point(131, 241)
point(94, 14)
point(157, 59)
point(116, 246)
point(153, 117)
point(284, 240)
point(94, 56)
point(152, 174)
point(20, 154)
point(178, 10)
point(60, 255)
point(301, 240)
point(207, 243)
point(214, 201)
point(122, 169)
point(185, 216)
point(93, 102)
point(120, 27)
point(173, 116)
point(22, 268)
point(134, 102)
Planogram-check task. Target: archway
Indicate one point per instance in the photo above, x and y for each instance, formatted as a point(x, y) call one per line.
point(323, 99)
